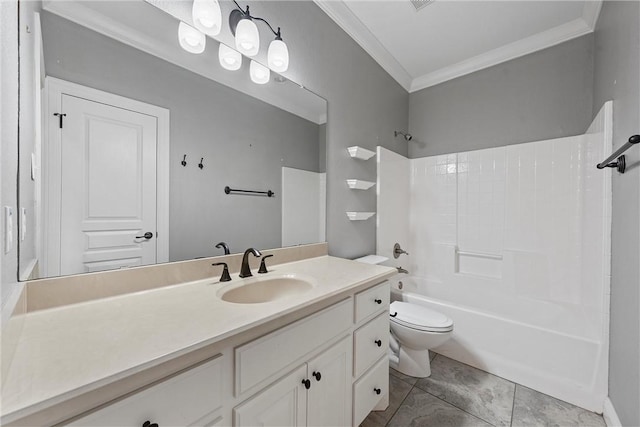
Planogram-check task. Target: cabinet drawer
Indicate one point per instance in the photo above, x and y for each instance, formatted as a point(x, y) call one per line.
point(366, 339)
point(372, 301)
point(189, 398)
point(259, 360)
point(365, 397)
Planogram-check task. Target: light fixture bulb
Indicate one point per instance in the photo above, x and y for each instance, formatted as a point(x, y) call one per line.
point(229, 59)
point(191, 40)
point(259, 73)
point(207, 16)
point(278, 56)
point(247, 37)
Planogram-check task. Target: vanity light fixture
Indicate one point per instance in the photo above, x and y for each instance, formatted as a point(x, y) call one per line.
point(247, 39)
point(229, 59)
point(259, 73)
point(191, 39)
point(207, 16)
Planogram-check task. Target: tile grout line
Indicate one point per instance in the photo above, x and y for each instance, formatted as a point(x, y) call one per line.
point(513, 403)
point(457, 407)
point(400, 405)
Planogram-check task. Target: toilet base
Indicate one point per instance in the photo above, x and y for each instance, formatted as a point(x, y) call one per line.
point(414, 363)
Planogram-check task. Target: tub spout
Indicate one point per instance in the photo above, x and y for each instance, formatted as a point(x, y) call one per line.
point(402, 270)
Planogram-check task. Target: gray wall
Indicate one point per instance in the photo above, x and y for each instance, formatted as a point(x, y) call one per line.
point(365, 106)
point(544, 95)
point(244, 141)
point(617, 78)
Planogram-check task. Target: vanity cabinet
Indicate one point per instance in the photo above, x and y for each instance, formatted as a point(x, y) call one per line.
point(194, 397)
point(316, 393)
point(329, 368)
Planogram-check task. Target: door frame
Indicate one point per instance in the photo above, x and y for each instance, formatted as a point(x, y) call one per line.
point(52, 158)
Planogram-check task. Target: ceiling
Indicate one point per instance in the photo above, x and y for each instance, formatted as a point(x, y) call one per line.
point(450, 38)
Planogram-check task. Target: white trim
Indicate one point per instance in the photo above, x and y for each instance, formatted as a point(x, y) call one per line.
point(591, 12)
point(537, 42)
point(610, 415)
point(351, 24)
point(54, 89)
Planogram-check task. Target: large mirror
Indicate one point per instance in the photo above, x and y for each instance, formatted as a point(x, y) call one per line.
point(133, 141)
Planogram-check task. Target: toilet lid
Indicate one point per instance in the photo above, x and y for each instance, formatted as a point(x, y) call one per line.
point(418, 317)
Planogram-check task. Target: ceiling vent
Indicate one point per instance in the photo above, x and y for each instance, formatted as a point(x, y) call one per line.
point(420, 4)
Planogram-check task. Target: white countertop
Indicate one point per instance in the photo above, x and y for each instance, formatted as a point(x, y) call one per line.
point(67, 351)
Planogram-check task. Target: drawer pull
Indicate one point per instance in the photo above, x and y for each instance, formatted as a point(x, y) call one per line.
point(317, 375)
point(149, 424)
point(377, 390)
point(394, 314)
point(378, 343)
point(307, 383)
point(378, 301)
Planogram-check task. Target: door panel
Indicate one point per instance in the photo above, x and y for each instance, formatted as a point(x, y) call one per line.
point(108, 187)
point(282, 404)
point(329, 398)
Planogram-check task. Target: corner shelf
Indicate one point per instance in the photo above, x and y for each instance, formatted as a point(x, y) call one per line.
point(360, 153)
point(359, 184)
point(359, 216)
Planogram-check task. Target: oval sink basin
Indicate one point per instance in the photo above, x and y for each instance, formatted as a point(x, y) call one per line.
point(258, 290)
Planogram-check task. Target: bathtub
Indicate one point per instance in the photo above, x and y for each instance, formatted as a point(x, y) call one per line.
point(551, 348)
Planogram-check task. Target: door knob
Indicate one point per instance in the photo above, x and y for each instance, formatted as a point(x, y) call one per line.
point(146, 235)
point(306, 383)
point(377, 390)
point(378, 343)
point(318, 375)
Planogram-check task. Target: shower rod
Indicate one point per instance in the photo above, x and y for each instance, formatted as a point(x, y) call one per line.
point(620, 164)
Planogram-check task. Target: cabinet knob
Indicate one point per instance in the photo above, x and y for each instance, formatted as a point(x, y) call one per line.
point(307, 384)
point(378, 301)
point(317, 375)
point(378, 343)
point(377, 390)
point(149, 424)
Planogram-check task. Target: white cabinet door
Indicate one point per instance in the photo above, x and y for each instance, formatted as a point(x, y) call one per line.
point(329, 401)
point(192, 398)
point(282, 404)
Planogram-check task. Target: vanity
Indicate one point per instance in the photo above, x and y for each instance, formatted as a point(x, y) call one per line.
point(181, 355)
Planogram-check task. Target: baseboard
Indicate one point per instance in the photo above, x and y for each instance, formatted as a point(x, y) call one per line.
point(610, 415)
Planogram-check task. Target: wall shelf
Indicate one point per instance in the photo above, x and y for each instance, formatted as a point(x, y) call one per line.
point(360, 216)
point(360, 153)
point(359, 184)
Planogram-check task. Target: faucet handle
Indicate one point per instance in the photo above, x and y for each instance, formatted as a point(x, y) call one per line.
point(263, 266)
point(224, 246)
point(225, 272)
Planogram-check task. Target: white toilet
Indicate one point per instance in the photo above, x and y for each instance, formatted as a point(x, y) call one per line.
point(414, 330)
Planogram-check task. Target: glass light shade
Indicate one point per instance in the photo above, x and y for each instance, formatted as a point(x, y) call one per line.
point(229, 59)
point(278, 56)
point(191, 40)
point(207, 16)
point(247, 37)
point(259, 73)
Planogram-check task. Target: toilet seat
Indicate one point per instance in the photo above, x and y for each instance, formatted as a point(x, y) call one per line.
point(420, 318)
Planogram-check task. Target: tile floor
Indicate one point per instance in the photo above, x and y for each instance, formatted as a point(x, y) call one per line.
point(459, 395)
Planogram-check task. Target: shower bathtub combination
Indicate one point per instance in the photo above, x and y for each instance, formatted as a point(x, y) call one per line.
point(514, 245)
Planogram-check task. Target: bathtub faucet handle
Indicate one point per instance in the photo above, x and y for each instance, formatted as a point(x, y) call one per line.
point(397, 251)
point(402, 270)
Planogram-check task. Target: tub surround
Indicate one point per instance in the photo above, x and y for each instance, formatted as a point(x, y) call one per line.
point(70, 358)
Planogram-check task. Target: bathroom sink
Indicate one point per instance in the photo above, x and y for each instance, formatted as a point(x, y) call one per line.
point(266, 289)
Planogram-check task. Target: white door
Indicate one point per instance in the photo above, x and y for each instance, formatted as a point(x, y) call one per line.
point(329, 401)
point(282, 404)
point(108, 187)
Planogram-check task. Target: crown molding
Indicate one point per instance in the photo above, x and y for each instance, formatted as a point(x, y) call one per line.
point(562, 33)
point(351, 24)
point(591, 12)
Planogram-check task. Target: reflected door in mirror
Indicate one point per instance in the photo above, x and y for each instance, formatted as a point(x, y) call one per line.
point(108, 187)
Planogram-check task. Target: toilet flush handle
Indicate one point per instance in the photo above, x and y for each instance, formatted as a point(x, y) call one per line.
point(394, 314)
